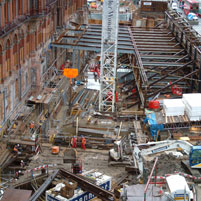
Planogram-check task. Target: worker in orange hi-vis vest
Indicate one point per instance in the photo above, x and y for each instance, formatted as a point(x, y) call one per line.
point(74, 142)
point(31, 126)
point(15, 150)
point(83, 143)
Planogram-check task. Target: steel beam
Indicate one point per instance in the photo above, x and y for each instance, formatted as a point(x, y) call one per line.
point(121, 49)
point(73, 57)
point(160, 57)
point(155, 43)
point(149, 32)
point(159, 50)
point(155, 46)
point(162, 64)
point(98, 38)
point(156, 37)
point(194, 68)
point(155, 40)
point(199, 85)
point(43, 187)
point(95, 42)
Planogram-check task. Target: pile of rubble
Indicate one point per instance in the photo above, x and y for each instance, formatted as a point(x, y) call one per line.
point(167, 164)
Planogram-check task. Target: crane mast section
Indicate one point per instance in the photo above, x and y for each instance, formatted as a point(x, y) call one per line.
point(109, 43)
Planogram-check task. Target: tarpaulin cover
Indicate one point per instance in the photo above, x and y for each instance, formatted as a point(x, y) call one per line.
point(154, 127)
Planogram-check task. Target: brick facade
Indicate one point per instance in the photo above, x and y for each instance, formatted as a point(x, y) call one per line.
point(26, 27)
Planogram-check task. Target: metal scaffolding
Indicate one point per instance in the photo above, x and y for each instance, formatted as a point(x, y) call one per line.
point(109, 42)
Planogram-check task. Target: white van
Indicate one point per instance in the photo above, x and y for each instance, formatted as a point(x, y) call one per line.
point(178, 188)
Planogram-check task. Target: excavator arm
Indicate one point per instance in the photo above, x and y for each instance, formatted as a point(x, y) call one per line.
point(158, 147)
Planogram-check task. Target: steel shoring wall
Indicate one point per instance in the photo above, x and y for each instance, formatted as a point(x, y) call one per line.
point(190, 40)
point(163, 59)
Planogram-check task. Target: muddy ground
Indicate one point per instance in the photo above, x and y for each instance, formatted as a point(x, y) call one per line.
point(90, 158)
point(167, 164)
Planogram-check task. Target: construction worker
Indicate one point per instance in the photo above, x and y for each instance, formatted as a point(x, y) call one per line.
point(31, 126)
point(22, 163)
point(19, 148)
point(14, 125)
point(74, 142)
point(15, 150)
point(83, 143)
point(17, 175)
point(62, 68)
point(95, 76)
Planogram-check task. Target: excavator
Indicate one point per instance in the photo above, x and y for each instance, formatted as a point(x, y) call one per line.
point(194, 152)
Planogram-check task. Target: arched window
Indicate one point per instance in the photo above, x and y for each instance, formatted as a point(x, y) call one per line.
point(16, 89)
point(8, 66)
point(44, 30)
point(28, 40)
point(22, 47)
point(26, 80)
point(36, 44)
point(40, 35)
point(14, 9)
point(1, 66)
point(6, 12)
point(19, 7)
point(15, 51)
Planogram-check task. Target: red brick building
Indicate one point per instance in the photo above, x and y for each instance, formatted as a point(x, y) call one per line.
point(26, 30)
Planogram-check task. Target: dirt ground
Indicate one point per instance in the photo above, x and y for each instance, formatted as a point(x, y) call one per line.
point(98, 160)
point(90, 158)
point(167, 164)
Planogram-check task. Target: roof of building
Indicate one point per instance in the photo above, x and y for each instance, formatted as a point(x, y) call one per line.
point(16, 194)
